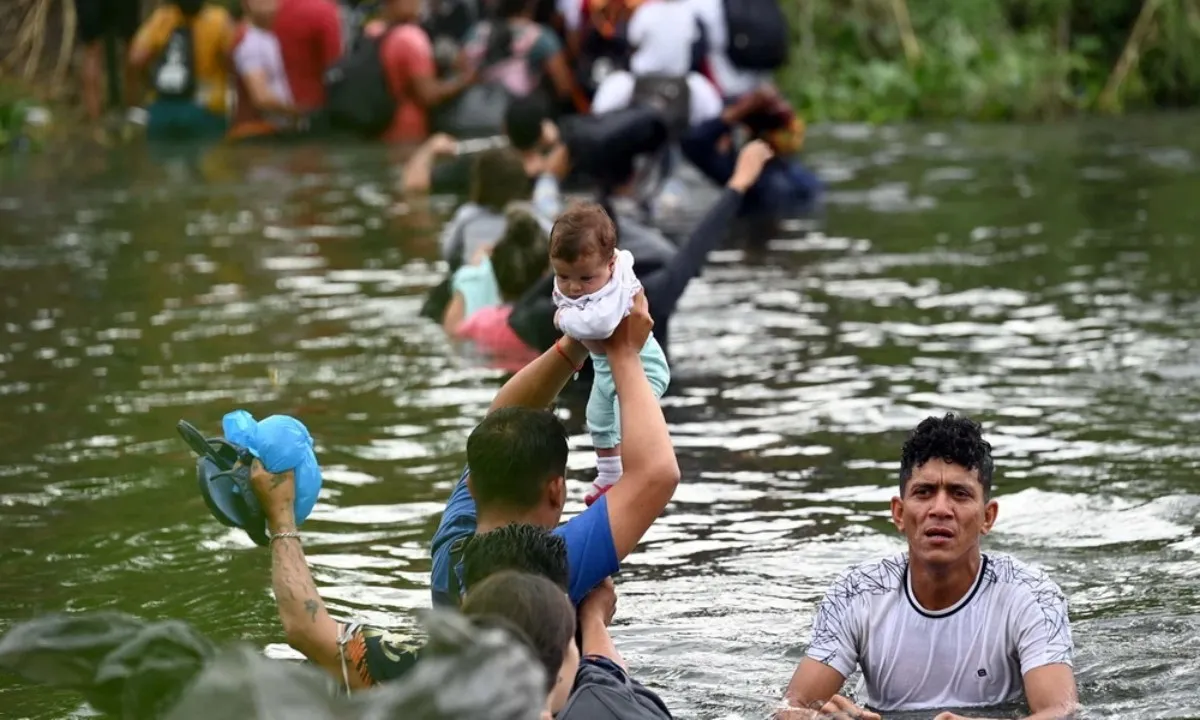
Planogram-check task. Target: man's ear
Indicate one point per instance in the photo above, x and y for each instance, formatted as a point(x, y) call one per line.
point(898, 513)
point(556, 493)
point(989, 516)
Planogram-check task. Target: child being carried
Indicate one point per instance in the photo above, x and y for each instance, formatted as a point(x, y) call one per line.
point(594, 287)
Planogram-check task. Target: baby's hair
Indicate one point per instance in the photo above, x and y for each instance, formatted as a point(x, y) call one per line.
point(581, 230)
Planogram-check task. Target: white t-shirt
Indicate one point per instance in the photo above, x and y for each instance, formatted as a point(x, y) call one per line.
point(597, 315)
point(259, 50)
point(972, 654)
point(732, 81)
point(662, 33)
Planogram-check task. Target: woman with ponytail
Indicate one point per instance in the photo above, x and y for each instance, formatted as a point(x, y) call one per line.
point(505, 271)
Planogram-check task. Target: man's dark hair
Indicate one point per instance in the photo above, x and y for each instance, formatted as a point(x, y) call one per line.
point(533, 608)
point(520, 546)
point(523, 120)
point(954, 438)
point(512, 454)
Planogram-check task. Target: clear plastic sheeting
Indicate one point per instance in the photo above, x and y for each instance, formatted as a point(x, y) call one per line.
point(133, 669)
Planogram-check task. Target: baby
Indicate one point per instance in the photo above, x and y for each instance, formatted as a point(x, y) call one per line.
point(594, 286)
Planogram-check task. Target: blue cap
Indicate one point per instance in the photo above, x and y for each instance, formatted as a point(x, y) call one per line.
point(281, 443)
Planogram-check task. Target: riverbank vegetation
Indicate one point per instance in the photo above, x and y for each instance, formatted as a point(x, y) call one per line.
point(887, 60)
point(868, 60)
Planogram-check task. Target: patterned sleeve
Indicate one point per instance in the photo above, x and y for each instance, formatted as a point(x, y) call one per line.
point(835, 629)
point(1043, 625)
point(378, 656)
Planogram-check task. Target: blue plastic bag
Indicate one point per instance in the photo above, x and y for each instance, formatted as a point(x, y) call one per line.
point(281, 443)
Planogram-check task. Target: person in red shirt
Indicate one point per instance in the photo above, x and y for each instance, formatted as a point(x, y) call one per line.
point(412, 73)
point(310, 41)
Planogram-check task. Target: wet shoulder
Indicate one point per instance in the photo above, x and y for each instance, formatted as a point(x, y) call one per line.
point(1006, 573)
point(872, 578)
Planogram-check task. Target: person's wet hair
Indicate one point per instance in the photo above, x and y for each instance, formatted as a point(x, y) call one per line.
point(519, 257)
point(498, 178)
point(582, 230)
point(513, 454)
point(953, 438)
point(523, 120)
point(519, 546)
point(529, 606)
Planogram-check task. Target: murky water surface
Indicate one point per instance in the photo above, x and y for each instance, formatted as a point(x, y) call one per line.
point(1043, 279)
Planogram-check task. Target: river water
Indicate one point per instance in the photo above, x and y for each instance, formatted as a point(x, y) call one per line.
point(1042, 279)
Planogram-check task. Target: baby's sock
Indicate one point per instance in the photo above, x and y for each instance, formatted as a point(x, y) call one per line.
point(608, 471)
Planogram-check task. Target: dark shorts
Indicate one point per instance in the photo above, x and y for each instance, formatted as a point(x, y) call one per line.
point(101, 18)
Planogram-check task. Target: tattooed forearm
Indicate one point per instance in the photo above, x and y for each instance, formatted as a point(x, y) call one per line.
point(306, 622)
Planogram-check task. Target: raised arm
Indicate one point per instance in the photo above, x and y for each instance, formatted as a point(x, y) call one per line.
point(537, 384)
point(355, 655)
point(651, 470)
point(418, 171)
point(307, 625)
point(666, 286)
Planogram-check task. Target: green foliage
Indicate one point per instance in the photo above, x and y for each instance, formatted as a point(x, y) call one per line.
point(25, 120)
point(985, 59)
point(13, 112)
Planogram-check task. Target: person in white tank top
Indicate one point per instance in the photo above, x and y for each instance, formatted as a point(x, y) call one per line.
point(943, 625)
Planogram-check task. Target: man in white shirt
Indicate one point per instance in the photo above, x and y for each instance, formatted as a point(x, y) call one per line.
point(943, 625)
point(662, 34)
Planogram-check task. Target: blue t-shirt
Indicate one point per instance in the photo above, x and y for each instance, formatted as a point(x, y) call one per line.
point(591, 554)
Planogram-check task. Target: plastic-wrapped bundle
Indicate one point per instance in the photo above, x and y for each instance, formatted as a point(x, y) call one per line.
point(131, 669)
point(124, 667)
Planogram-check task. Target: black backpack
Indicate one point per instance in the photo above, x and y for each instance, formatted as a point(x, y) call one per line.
point(358, 97)
point(175, 74)
point(758, 34)
point(668, 94)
